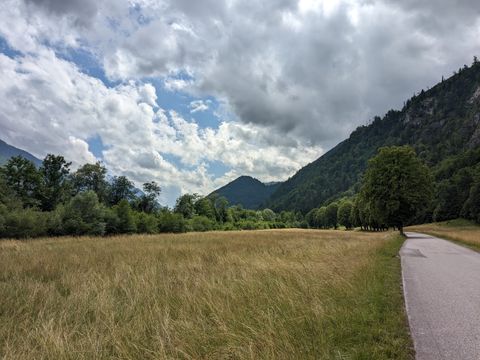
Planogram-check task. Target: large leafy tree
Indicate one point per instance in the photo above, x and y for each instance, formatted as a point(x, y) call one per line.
point(148, 201)
point(185, 205)
point(91, 177)
point(397, 186)
point(344, 214)
point(331, 215)
point(121, 188)
point(55, 185)
point(204, 207)
point(23, 178)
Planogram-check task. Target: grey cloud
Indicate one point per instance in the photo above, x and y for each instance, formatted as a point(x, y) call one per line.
point(312, 75)
point(83, 11)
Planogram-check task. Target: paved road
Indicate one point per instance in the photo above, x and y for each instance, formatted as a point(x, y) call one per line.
point(441, 283)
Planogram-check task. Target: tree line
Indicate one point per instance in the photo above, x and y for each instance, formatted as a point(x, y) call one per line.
point(396, 190)
point(52, 201)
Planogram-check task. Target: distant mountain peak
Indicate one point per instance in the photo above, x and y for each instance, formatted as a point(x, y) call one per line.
point(247, 191)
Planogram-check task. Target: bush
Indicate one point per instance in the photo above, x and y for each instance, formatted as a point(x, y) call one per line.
point(23, 223)
point(84, 215)
point(171, 222)
point(112, 222)
point(201, 223)
point(54, 221)
point(126, 220)
point(146, 223)
point(228, 226)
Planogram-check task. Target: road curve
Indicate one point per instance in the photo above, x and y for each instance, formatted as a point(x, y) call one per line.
point(441, 284)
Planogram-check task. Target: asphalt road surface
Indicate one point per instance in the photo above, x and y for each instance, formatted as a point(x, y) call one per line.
point(441, 282)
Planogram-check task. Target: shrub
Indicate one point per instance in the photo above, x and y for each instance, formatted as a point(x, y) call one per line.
point(84, 215)
point(112, 222)
point(126, 220)
point(146, 223)
point(171, 222)
point(201, 223)
point(23, 223)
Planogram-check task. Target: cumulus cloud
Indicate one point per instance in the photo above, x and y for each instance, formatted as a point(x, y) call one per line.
point(60, 108)
point(315, 69)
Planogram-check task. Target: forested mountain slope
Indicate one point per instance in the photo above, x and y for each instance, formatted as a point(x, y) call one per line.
point(441, 123)
point(7, 151)
point(246, 191)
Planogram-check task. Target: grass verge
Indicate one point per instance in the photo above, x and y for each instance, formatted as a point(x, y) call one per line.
point(462, 231)
point(279, 294)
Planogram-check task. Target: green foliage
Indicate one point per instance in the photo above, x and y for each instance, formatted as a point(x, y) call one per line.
point(201, 223)
point(397, 186)
point(91, 177)
point(83, 215)
point(471, 208)
point(125, 216)
point(205, 207)
point(55, 186)
point(222, 214)
point(148, 201)
point(268, 215)
point(22, 223)
point(331, 216)
point(321, 218)
point(146, 223)
point(185, 205)
point(23, 178)
point(344, 214)
point(120, 188)
point(169, 222)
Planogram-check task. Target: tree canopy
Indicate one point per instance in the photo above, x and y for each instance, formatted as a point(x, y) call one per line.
point(397, 186)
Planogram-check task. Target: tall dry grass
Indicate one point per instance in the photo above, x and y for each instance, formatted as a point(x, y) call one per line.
point(457, 230)
point(284, 294)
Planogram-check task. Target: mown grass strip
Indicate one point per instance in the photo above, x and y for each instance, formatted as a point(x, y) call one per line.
point(461, 231)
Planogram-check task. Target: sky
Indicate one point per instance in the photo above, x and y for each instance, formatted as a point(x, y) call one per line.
point(193, 94)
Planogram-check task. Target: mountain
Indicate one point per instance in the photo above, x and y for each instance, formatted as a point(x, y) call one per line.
point(7, 151)
point(247, 191)
point(442, 124)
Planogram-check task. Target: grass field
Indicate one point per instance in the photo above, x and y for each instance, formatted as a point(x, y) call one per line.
point(457, 230)
point(277, 294)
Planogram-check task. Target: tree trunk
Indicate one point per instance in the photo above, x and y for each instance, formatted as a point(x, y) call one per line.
point(400, 228)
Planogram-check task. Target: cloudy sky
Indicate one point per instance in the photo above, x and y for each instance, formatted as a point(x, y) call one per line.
point(193, 94)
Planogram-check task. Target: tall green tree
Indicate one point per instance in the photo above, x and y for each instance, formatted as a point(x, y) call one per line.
point(397, 186)
point(148, 201)
point(91, 177)
point(220, 204)
point(204, 207)
point(120, 188)
point(55, 185)
point(23, 178)
point(331, 216)
point(185, 205)
point(126, 224)
point(344, 213)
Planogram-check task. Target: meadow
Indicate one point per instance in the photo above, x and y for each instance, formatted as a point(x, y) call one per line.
point(272, 294)
point(460, 230)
